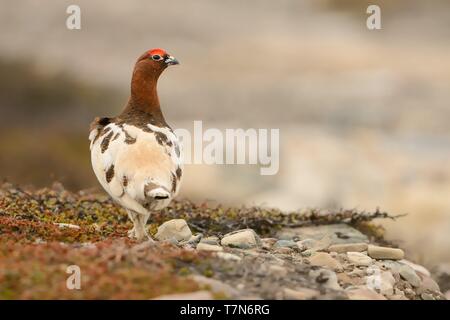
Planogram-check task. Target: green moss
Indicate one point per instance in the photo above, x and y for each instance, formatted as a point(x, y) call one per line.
point(371, 229)
point(184, 271)
point(208, 272)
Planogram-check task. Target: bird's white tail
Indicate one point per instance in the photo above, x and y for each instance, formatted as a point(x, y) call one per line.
point(158, 193)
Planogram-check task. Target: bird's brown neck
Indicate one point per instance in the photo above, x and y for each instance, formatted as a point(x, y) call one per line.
point(144, 96)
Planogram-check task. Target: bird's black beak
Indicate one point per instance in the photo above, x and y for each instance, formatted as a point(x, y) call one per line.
point(170, 61)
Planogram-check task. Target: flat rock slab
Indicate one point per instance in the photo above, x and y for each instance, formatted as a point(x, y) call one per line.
point(208, 247)
point(336, 233)
point(244, 239)
point(323, 259)
point(348, 247)
point(176, 229)
point(378, 252)
point(359, 259)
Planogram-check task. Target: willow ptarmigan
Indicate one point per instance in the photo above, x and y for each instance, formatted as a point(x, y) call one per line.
point(136, 156)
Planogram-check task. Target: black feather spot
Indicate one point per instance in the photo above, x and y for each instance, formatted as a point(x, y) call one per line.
point(104, 121)
point(116, 136)
point(105, 142)
point(178, 173)
point(162, 139)
point(129, 139)
point(109, 173)
point(174, 182)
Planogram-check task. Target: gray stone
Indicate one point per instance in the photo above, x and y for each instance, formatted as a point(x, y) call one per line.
point(176, 228)
point(418, 268)
point(267, 243)
point(346, 280)
point(378, 252)
point(193, 240)
point(244, 239)
point(402, 270)
point(357, 273)
point(427, 296)
point(408, 273)
point(173, 241)
point(410, 293)
point(391, 265)
point(348, 247)
point(316, 245)
point(308, 253)
point(210, 240)
point(441, 273)
point(228, 256)
point(359, 259)
point(283, 250)
point(249, 252)
point(323, 259)
point(387, 283)
point(428, 284)
point(326, 278)
point(208, 247)
point(383, 282)
point(322, 244)
point(285, 244)
point(337, 233)
point(67, 225)
point(306, 243)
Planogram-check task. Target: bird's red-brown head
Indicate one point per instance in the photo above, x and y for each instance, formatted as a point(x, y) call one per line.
point(154, 61)
point(147, 70)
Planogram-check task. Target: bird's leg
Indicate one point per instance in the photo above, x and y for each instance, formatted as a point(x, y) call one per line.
point(133, 218)
point(141, 231)
point(145, 226)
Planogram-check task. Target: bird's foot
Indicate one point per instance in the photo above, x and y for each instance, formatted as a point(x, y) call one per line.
point(132, 233)
point(150, 240)
point(143, 237)
point(146, 239)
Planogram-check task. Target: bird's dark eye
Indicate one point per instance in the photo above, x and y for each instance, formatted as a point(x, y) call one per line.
point(156, 57)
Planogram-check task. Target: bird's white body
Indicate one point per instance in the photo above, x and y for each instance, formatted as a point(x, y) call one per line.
point(139, 167)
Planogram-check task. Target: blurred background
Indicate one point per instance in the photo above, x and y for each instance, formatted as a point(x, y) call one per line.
point(364, 116)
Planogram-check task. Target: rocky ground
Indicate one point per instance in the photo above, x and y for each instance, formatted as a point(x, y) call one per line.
point(202, 252)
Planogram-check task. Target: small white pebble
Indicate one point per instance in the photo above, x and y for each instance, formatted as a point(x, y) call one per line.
point(67, 225)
